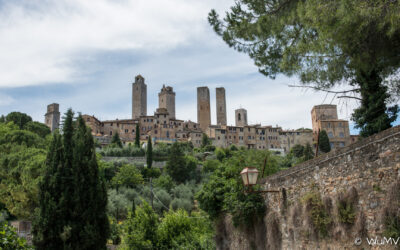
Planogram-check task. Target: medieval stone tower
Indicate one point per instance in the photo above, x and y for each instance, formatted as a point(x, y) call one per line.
point(203, 107)
point(139, 97)
point(241, 117)
point(166, 99)
point(52, 117)
point(221, 106)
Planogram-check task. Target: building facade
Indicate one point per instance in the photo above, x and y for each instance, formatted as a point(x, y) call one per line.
point(324, 117)
point(52, 116)
point(203, 107)
point(166, 99)
point(221, 105)
point(139, 97)
point(290, 138)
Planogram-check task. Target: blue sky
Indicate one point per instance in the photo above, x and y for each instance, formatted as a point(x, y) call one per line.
point(85, 55)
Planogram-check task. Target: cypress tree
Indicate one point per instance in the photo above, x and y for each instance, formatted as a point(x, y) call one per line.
point(137, 136)
point(308, 152)
point(51, 228)
point(48, 225)
point(116, 140)
point(90, 229)
point(149, 153)
point(324, 145)
point(72, 197)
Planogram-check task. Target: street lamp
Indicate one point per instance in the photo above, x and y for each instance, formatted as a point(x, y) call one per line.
point(249, 176)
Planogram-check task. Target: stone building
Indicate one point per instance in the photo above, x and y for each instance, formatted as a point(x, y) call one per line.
point(324, 117)
point(203, 107)
point(139, 97)
point(250, 136)
point(241, 117)
point(52, 117)
point(166, 99)
point(221, 106)
point(162, 126)
point(289, 138)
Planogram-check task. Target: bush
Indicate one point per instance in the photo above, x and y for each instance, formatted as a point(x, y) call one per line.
point(9, 239)
point(140, 228)
point(220, 153)
point(162, 200)
point(346, 206)
point(224, 191)
point(164, 182)
point(317, 213)
point(179, 231)
point(210, 165)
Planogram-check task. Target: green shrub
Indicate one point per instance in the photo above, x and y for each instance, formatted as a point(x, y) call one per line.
point(164, 182)
point(346, 206)
point(224, 190)
point(220, 153)
point(392, 212)
point(9, 239)
point(317, 213)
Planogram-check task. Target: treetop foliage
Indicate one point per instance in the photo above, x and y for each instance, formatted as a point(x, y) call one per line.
point(324, 43)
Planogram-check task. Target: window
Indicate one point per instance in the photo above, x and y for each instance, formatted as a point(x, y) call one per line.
point(341, 144)
point(110, 132)
point(332, 145)
point(239, 118)
point(88, 119)
point(241, 129)
point(330, 134)
point(219, 138)
point(167, 134)
point(341, 134)
point(126, 131)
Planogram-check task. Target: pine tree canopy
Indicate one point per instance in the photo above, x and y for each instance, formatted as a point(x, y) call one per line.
point(324, 144)
point(324, 43)
point(72, 196)
point(149, 153)
point(116, 140)
point(137, 136)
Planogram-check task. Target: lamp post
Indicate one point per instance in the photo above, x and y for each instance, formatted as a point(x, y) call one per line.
point(249, 177)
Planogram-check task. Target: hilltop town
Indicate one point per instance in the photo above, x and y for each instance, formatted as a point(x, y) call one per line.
point(164, 126)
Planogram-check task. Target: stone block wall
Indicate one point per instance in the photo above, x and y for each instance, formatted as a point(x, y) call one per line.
point(367, 171)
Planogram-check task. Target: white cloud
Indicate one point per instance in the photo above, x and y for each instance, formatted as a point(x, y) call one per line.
point(42, 39)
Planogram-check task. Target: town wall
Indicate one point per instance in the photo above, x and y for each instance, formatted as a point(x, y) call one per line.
point(367, 171)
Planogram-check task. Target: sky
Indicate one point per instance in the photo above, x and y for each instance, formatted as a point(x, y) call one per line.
point(85, 55)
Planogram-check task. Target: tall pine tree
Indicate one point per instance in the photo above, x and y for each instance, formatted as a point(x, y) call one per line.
point(52, 225)
point(324, 145)
point(137, 136)
point(149, 153)
point(116, 140)
point(90, 229)
point(73, 199)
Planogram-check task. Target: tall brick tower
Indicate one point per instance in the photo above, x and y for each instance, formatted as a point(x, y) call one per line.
point(139, 97)
point(203, 108)
point(52, 117)
point(166, 99)
point(241, 117)
point(221, 106)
